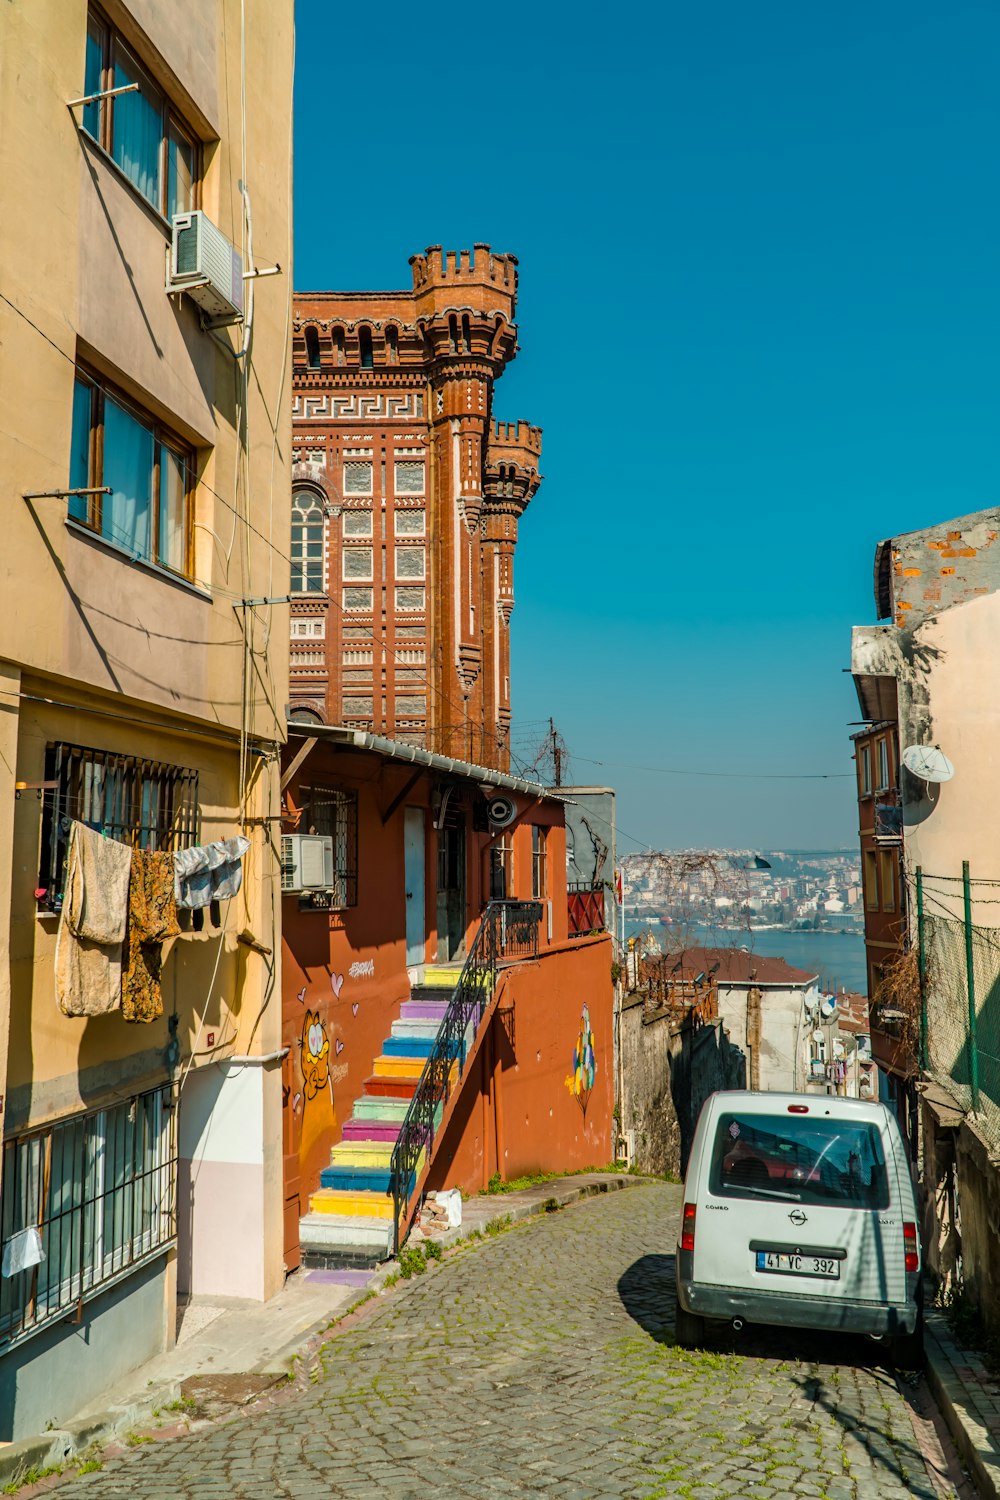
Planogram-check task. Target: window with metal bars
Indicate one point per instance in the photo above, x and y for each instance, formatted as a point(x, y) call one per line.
point(83, 1203)
point(145, 803)
point(333, 812)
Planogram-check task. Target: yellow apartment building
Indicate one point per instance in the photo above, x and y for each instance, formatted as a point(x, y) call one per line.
point(145, 460)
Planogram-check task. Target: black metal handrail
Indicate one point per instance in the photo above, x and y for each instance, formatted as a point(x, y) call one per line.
point(508, 932)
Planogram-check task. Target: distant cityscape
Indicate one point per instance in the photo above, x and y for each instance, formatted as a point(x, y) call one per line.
point(775, 889)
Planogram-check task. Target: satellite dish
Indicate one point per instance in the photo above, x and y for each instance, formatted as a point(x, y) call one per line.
point(817, 1036)
point(811, 1002)
point(828, 1006)
point(928, 762)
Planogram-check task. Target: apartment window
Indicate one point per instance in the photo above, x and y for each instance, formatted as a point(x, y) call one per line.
point(409, 477)
point(150, 473)
point(308, 630)
point(502, 868)
point(357, 523)
point(410, 522)
point(410, 562)
point(95, 1194)
point(146, 803)
point(333, 812)
point(865, 770)
point(887, 877)
point(882, 753)
point(308, 531)
point(870, 880)
point(539, 840)
point(358, 562)
point(141, 133)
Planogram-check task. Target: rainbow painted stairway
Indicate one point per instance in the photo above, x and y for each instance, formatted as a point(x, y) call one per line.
point(349, 1226)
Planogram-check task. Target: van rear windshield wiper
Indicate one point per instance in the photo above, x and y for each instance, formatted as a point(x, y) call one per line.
point(752, 1192)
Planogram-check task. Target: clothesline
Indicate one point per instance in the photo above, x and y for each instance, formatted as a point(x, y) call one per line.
point(120, 904)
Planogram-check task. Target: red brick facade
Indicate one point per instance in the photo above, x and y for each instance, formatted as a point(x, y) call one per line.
point(407, 496)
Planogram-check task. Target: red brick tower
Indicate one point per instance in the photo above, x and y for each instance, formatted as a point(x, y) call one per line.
point(405, 508)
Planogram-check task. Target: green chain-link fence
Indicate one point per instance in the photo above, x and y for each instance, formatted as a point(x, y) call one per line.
point(960, 958)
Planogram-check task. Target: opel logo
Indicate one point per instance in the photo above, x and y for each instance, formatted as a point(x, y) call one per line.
point(797, 1217)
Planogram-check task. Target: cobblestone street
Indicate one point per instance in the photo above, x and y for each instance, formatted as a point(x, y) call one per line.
point(542, 1362)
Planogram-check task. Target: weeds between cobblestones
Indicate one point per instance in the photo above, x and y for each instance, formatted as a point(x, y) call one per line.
point(540, 1360)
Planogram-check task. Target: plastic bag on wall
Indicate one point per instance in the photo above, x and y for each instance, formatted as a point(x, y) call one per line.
point(451, 1202)
point(22, 1251)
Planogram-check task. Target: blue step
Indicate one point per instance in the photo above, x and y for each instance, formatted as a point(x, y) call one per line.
point(396, 1046)
point(356, 1179)
point(360, 1179)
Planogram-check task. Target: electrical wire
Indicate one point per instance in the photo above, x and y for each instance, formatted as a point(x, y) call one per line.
point(724, 775)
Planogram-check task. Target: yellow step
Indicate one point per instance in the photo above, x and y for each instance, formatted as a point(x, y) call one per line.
point(351, 1205)
point(445, 979)
point(398, 1067)
point(361, 1154)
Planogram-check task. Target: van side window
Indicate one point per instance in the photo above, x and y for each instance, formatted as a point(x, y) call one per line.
point(801, 1159)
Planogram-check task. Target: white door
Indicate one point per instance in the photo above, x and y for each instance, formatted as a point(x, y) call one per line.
point(413, 874)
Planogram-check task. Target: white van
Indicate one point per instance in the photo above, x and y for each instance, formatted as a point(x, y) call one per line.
point(799, 1210)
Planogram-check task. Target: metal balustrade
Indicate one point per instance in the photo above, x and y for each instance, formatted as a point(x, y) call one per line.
point(507, 933)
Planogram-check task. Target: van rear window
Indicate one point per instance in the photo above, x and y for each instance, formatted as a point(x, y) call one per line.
point(805, 1159)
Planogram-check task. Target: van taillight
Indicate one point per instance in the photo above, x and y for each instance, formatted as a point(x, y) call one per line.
point(910, 1247)
point(798, 1109)
point(687, 1228)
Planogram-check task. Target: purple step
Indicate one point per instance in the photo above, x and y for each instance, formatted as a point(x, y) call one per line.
point(371, 1130)
point(340, 1277)
point(423, 1010)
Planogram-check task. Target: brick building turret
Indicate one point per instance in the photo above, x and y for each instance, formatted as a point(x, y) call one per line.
point(407, 496)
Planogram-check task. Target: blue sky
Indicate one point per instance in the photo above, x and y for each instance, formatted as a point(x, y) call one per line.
point(760, 324)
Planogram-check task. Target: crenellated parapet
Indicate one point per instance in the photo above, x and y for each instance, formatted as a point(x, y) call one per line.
point(511, 475)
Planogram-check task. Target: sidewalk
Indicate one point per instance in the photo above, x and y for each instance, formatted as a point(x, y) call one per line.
point(969, 1398)
point(228, 1352)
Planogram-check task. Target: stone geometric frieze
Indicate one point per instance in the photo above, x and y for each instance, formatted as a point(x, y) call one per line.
point(359, 407)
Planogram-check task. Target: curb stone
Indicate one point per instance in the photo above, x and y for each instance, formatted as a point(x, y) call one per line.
point(960, 1408)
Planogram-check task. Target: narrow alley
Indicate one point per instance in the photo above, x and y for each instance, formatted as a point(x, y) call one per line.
point(542, 1361)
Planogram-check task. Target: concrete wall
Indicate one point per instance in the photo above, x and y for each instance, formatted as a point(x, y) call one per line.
point(518, 1112)
point(783, 1027)
point(46, 1379)
point(668, 1071)
point(100, 650)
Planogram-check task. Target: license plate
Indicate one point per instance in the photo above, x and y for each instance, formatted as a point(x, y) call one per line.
point(798, 1265)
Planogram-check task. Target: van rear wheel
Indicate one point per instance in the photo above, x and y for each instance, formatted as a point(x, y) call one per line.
point(689, 1327)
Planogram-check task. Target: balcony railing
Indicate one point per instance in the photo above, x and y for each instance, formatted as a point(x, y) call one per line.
point(585, 906)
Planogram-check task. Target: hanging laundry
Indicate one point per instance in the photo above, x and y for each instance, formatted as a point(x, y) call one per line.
point(152, 918)
point(210, 872)
point(92, 924)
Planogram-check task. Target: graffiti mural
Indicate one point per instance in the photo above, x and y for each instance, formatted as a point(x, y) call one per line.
point(315, 1054)
point(581, 1081)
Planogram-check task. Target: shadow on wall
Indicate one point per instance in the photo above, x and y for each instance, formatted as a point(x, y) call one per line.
point(702, 1061)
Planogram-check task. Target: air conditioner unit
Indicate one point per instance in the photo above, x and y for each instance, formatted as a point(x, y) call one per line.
point(205, 265)
point(306, 862)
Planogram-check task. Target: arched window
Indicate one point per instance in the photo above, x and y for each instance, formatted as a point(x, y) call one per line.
point(308, 527)
point(391, 345)
point(338, 345)
point(453, 333)
point(312, 347)
point(466, 334)
point(365, 345)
